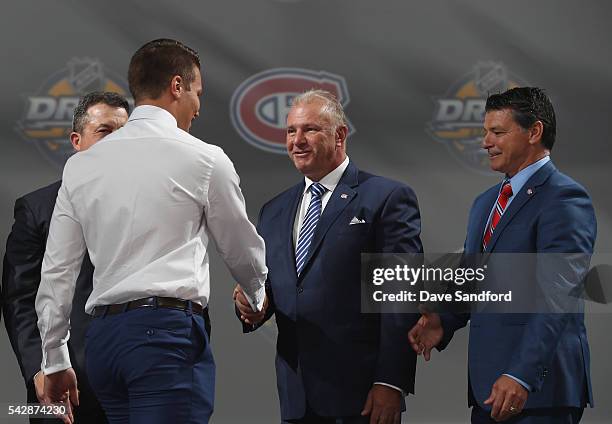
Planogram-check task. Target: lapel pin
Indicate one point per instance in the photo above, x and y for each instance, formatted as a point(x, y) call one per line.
point(344, 196)
point(530, 191)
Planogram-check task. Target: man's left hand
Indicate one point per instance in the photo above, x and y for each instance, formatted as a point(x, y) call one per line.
point(61, 387)
point(383, 405)
point(507, 398)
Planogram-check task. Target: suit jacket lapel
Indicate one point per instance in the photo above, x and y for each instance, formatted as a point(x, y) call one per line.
point(527, 192)
point(474, 244)
point(343, 194)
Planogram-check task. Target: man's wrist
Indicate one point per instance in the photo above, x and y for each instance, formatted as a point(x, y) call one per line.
point(391, 386)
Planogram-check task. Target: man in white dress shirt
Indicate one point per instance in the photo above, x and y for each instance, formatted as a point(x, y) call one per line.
point(144, 203)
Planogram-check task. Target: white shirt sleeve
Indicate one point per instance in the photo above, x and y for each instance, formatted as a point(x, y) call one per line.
point(237, 241)
point(60, 268)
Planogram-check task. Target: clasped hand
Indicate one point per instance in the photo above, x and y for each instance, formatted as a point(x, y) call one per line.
point(247, 315)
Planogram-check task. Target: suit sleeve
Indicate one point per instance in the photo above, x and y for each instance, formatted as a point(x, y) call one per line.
point(398, 231)
point(567, 225)
point(246, 328)
point(20, 280)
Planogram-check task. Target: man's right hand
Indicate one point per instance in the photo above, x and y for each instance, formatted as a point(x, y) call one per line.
point(61, 387)
point(247, 315)
point(426, 334)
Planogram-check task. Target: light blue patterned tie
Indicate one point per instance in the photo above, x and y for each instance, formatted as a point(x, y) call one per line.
point(309, 225)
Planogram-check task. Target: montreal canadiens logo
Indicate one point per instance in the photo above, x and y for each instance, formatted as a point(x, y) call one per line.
point(459, 114)
point(259, 106)
point(47, 121)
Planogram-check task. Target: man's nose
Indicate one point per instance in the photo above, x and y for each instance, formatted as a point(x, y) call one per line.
point(486, 142)
point(299, 137)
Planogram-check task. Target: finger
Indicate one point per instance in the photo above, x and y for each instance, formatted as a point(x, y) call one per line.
point(244, 310)
point(505, 412)
point(414, 337)
point(375, 415)
point(65, 417)
point(385, 417)
point(413, 334)
point(497, 405)
point(74, 396)
point(491, 397)
point(367, 408)
point(427, 353)
point(253, 317)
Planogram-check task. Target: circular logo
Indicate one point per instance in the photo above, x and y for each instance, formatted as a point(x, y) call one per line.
point(259, 106)
point(459, 114)
point(47, 121)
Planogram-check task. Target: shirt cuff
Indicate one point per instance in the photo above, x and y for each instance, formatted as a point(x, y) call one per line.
point(258, 302)
point(56, 359)
point(521, 382)
point(392, 386)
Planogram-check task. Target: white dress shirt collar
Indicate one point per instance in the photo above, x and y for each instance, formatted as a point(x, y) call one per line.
point(331, 180)
point(153, 112)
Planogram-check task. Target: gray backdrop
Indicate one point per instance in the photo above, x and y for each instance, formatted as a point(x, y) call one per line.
point(395, 60)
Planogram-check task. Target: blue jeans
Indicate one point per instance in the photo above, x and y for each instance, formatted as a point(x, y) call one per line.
point(151, 365)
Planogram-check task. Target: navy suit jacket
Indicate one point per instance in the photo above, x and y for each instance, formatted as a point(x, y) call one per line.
point(329, 353)
point(549, 351)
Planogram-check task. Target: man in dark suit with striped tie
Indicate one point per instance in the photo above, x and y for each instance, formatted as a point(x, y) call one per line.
point(334, 364)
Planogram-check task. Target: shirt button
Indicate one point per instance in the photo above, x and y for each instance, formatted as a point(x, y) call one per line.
point(150, 332)
point(300, 289)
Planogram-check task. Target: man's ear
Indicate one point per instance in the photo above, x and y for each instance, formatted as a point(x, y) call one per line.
point(176, 86)
point(75, 140)
point(341, 134)
point(535, 132)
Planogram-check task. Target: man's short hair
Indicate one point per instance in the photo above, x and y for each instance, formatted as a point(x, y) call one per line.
point(156, 63)
point(528, 105)
point(79, 118)
point(331, 106)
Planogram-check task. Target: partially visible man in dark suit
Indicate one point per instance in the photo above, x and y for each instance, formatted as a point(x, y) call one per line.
point(96, 115)
point(334, 364)
point(524, 368)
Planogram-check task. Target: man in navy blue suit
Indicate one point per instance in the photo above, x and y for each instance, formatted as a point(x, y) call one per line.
point(334, 364)
point(524, 368)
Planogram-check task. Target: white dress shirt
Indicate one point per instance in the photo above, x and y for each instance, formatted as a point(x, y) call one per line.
point(330, 181)
point(144, 201)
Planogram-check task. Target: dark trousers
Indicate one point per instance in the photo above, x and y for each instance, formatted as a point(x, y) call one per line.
point(312, 418)
point(532, 416)
point(151, 365)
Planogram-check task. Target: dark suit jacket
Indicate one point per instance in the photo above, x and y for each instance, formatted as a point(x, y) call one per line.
point(549, 351)
point(25, 249)
point(329, 353)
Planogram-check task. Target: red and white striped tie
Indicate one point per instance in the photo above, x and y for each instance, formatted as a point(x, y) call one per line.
point(500, 207)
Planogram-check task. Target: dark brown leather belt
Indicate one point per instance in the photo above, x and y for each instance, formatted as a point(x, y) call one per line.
point(148, 302)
